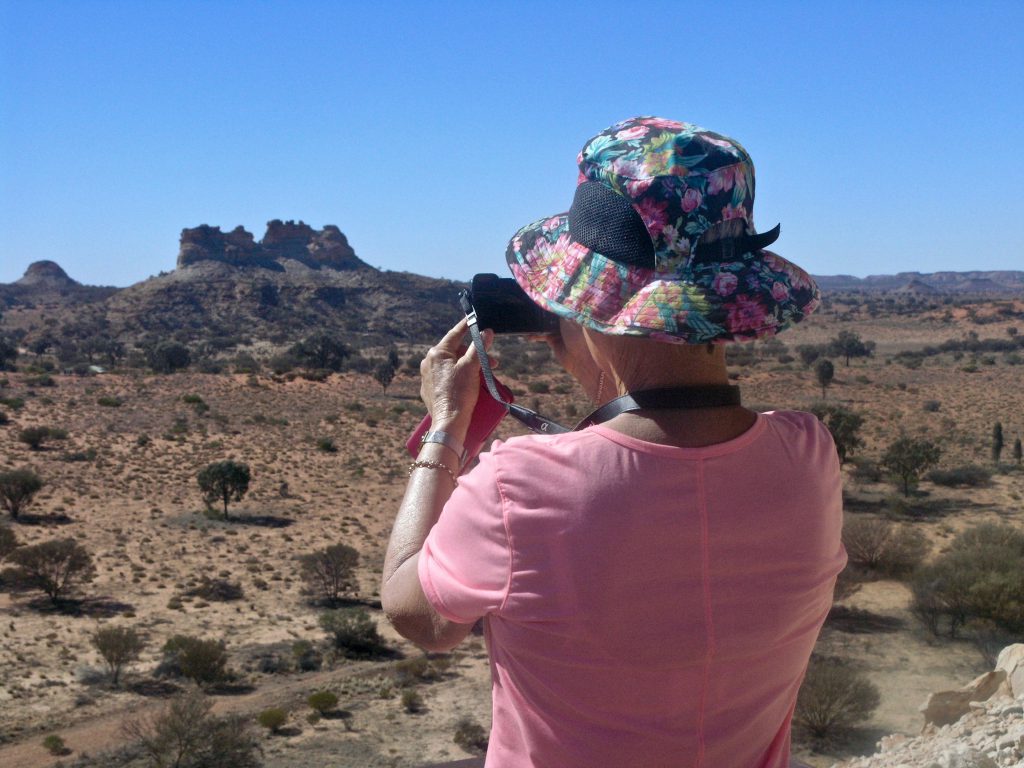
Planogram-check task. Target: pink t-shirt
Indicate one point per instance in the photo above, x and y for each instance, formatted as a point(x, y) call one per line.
point(645, 605)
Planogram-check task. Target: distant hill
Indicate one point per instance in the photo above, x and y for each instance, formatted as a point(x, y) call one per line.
point(228, 286)
point(1001, 282)
point(229, 289)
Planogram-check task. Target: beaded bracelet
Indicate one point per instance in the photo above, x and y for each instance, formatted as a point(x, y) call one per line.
point(434, 465)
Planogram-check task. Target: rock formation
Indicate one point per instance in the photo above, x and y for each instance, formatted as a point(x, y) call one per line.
point(298, 241)
point(978, 726)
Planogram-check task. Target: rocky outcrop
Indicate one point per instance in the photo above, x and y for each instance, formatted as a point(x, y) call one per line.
point(988, 732)
point(46, 274)
point(316, 248)
point(206, 243)
point(945, 707)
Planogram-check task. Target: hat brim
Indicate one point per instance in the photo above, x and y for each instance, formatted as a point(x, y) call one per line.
point(754, 296)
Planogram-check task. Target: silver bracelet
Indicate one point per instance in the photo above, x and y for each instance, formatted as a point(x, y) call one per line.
point(449, 442)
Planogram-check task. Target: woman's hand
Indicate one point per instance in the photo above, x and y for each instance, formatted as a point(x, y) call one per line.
point(450, 380)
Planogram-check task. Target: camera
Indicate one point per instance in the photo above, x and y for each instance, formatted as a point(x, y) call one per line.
point(504, 307)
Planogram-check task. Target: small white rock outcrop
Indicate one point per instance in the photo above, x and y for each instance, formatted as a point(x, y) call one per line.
point(980, 725)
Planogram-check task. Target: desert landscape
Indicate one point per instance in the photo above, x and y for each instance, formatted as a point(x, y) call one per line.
point(123, 446)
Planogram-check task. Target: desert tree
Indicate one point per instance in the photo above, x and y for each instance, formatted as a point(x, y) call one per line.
point(118, 646)
point(8, 541)
point(329, 571)
point(17, 489)
point(849, 344)
point(224, 481)
point(980, 577)
point(824, 371)
point(186, 734)
point(8, 354)
point(321, 351)
point(844, 425)
point(384, 374)
point(168, 357)
point(808, 353)
point(34, 437)
point(54, 567)
point(907, 458)
point(997, 442)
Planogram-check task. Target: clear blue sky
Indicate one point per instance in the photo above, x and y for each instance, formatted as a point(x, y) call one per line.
point(887, 135)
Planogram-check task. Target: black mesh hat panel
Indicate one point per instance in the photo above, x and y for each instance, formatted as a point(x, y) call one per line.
point(606, 223)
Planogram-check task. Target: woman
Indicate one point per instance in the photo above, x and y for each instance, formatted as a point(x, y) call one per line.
point(652, 585)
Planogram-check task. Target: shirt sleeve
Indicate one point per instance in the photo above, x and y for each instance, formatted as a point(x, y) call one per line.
point(465, 564)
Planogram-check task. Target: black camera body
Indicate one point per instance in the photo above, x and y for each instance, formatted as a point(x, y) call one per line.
point(504, 307)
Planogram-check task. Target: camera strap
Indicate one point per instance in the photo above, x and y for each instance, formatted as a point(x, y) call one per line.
point(531, 419)
point(714, 396)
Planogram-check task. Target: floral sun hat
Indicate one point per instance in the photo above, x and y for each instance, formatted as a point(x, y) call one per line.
point(627, 258)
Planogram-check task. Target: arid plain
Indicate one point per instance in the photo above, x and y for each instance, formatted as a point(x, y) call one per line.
point(131, 498)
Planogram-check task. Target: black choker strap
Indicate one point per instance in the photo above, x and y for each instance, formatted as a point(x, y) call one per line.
point(662, 399)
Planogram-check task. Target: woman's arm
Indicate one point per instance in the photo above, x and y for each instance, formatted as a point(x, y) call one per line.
point(449, 388)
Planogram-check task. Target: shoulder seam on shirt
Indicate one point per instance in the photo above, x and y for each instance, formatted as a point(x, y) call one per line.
point(508, 532)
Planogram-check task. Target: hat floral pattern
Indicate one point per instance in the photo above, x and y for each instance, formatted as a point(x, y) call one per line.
point(682, 180)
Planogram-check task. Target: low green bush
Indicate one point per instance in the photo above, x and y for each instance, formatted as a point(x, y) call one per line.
point(54, 744)
point(412, 701)
point(967, 476)
point(354, 632)
point(272, 719)
point(322, 701)
point(307, 657)
point(203, 661)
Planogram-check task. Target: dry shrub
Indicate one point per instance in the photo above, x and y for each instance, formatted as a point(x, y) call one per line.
point(833, 697)
point(883, 547)
point(187, 735)
point(471, 736)
point(217, 590)
point(330, 571)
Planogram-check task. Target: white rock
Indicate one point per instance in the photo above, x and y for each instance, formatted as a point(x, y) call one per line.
point(1011, 662)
